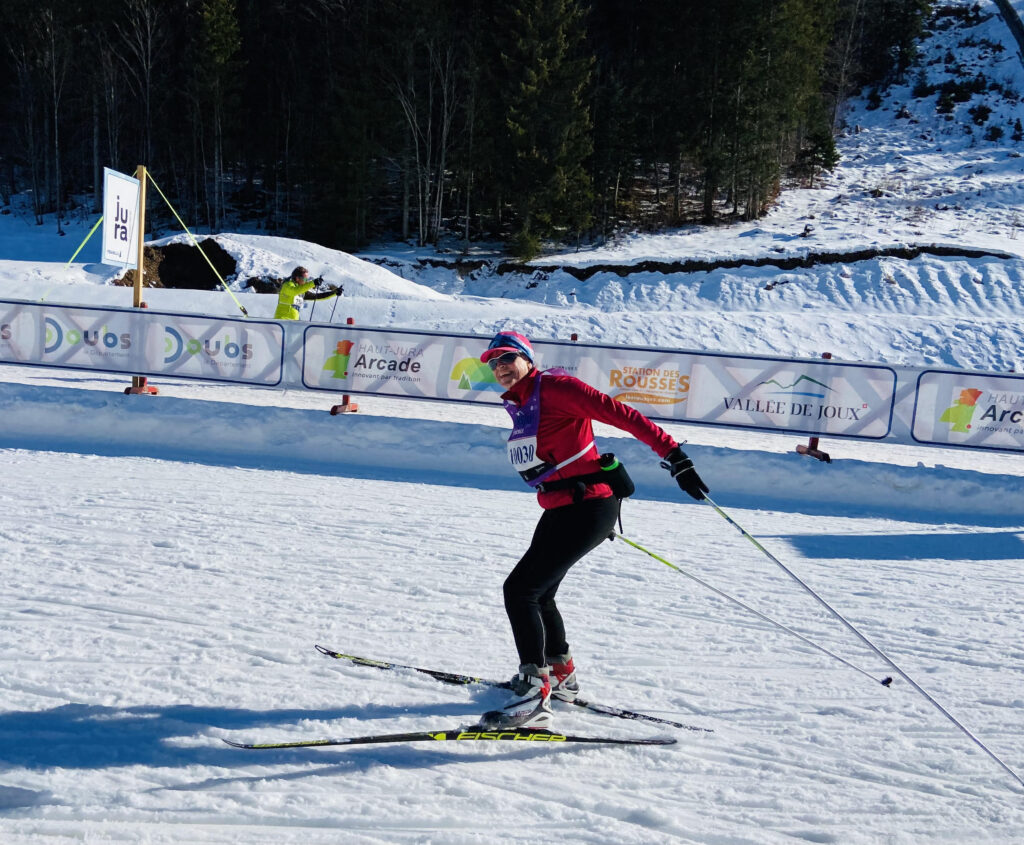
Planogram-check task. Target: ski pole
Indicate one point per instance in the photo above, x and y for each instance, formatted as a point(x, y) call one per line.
point(866, 641)
point(884, 682)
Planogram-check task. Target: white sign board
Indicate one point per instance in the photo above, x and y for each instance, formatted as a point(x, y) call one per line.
point(813, 397)
point(243, 351)
point(969, 409)
point(395, 363)
point(120, 219)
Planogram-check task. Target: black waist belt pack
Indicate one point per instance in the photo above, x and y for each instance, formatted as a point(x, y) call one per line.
point(612, 473)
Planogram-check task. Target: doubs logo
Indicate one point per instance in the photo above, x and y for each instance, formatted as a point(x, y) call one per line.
point(97, 338)
point(175, 346)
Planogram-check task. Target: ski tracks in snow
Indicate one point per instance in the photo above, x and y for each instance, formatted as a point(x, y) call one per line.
point(151, 607)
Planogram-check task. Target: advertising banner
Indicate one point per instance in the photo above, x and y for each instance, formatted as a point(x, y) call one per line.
point(222, 350)
point(966, 409)
point(388, 363)
point(142, 342)
point(811, 397)
point(20, 341)
point(655, 382)
point(815, 397)
point(120, 219)
point(444, 367)
point(88, 338)
point(806, 397)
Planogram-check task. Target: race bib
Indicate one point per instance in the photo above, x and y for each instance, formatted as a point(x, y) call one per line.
point(522, 442)
point(522, 454)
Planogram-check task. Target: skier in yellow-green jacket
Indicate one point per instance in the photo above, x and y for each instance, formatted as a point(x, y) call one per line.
point(297, 288)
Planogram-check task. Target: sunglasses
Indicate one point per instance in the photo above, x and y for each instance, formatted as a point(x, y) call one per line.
point(507, 358)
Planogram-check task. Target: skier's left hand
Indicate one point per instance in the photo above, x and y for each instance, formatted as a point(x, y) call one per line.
point(681, 469)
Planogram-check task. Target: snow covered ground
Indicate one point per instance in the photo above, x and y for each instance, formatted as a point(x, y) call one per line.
point(170, 561)
point(153, 605)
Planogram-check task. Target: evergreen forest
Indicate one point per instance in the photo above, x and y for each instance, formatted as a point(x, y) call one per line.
point(519, 121)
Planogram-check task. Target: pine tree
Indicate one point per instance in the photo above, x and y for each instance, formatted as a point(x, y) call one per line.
point(350, 150)
point(759, 83)
point(422, 73)
point(217, 68)
point(547, 71)
point(888, 42)
point(522, 110)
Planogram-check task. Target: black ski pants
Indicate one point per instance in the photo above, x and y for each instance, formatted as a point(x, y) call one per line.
point(563, 536)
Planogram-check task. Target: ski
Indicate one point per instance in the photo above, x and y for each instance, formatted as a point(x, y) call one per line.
point(463, 680)
point(476, 733)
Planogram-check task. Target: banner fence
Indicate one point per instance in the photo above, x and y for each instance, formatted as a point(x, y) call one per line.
point(817, 397)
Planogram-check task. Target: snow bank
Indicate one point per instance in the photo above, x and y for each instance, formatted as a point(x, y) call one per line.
point(462, 454)
point(258, 255)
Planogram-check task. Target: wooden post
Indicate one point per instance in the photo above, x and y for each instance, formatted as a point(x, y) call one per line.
point(139, 384)
point(140, 244)
point(347, 406)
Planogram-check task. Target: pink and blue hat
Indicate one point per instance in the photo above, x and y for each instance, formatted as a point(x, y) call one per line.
point(504, 342)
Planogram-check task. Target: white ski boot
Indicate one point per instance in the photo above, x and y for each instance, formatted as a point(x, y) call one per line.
point(530, 703)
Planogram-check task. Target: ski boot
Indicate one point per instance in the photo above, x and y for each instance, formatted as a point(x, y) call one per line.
point(530, 703)
point(563, 678)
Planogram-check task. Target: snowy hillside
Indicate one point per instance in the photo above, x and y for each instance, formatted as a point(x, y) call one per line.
point(169, 562)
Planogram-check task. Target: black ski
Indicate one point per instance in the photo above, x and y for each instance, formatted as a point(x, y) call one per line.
point(463, 680)
point(476, 733)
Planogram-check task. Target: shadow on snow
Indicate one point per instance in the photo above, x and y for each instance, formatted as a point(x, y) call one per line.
point(978, 546)
point(85, 736)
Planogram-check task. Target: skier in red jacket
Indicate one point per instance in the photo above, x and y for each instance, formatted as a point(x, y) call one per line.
point(552, 447)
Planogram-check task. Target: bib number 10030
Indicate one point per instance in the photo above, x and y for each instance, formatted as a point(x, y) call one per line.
point(522, 453)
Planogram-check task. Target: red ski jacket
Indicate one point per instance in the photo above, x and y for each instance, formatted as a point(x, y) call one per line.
point(567, 408)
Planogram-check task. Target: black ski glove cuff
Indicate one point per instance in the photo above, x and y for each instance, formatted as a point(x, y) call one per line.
point(681, 469)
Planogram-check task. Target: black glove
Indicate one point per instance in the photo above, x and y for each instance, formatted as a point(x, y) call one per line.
point(338, 289)
point(685, 475)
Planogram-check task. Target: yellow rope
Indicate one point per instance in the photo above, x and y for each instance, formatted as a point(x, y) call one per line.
point(92, 231)
point(196, 243)
point(67, 266)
